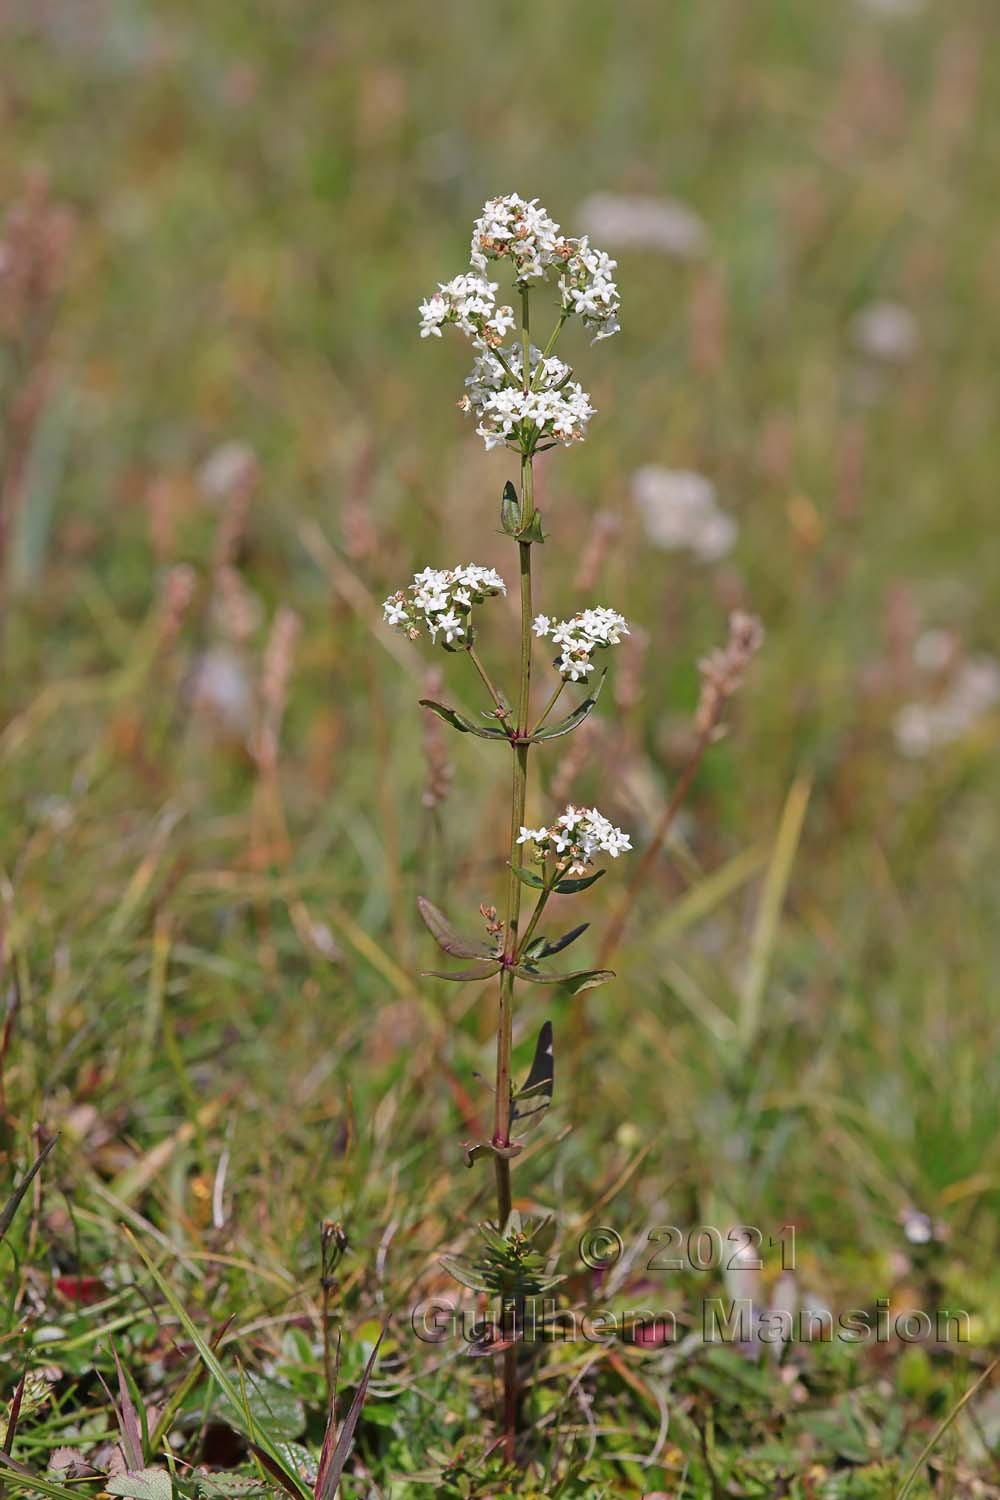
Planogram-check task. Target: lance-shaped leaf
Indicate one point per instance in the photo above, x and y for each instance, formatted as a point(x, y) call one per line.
point(510, 510)
point(528, 877)
point(460, 722)
point(447, 938)
point(534, 1098)
point(334, 1455)
point(543, 947)
point(580, 712)
point(465, 1272)
point(462, 976)
point(576, 983)
point(581, 883)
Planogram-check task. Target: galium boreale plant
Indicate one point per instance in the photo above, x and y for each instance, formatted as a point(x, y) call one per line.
point(524, 398)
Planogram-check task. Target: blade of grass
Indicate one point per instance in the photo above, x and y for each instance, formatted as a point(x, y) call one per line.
point(17, 1474)
point(772, 899)
point(942, 1428)
point(703, 898)
point(208, 1356)
point(13, 1203)
point(173, 1406)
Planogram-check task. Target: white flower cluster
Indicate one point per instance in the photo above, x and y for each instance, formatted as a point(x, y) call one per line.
point(580, 637)
point(589, 290)
point(575, 837)
point(513, 229)
point(470, 302)
point(440, 600)
point(553, 406)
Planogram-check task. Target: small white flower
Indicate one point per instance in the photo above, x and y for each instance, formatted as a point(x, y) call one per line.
point(542, 625)
point(589, 631)
point(577, 835)
point(533, 836)
point(451, 625)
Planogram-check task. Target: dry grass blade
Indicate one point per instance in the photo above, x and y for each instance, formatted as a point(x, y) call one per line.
point(769, 912)
point(334, 1454)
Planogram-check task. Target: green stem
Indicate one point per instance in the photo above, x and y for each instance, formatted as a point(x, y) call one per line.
point(550, 705)
point(529, 931)
point(519, 788)
point(490, 686)
point(553, 337)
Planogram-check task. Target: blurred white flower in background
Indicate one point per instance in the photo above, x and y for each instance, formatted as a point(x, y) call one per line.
point(679, 510)
point(887, 332)
point(644, 223)
point(227, 467)
point(219, 690)
point(962, 692)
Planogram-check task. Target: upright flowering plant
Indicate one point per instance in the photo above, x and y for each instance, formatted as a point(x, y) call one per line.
point(524, 398)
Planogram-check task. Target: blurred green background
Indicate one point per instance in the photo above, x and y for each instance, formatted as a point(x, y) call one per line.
point(232, 212)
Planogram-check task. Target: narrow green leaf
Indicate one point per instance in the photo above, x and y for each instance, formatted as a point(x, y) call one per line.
point(553, 731)
point(465, 1273)
point(543, 947)
point(460, 722)
point(534, 1098)
point(446, 937)
point(19, 1476)
point(571, 887)
point(528, 877)
point(462, 976)
point(576, 983)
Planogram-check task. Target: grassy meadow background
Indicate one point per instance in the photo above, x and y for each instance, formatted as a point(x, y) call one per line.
point(217, 413)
